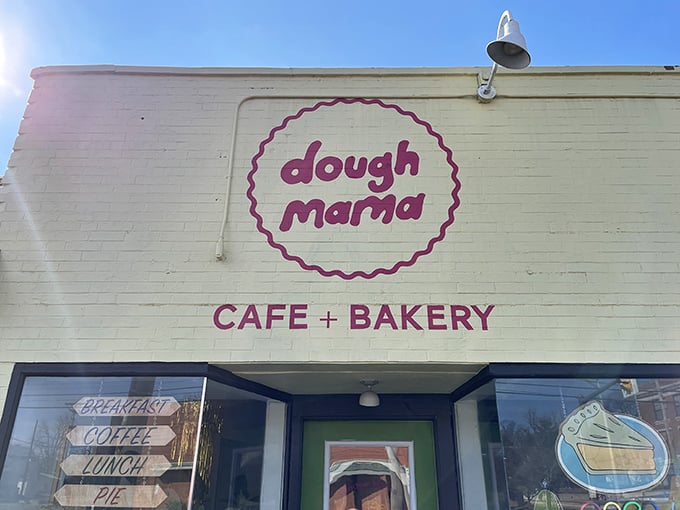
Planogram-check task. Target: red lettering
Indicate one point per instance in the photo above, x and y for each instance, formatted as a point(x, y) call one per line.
point(434, 313)
point(462, 317)
point(101, 494)
point(345, 212)
point(216, 317)
point(484, 316)
point(299, 170)
point(339, 212)
point(322, 166)
point(406, 158)
point(271, 316)
point(355, 172)
point(302, 211)
point(410, 208)
point(109, 495)
point(378, 206)
point(297, 312)
point(328, 168)
point(359, 317)
point(250, 317)
point(407, 317)
point(381, 167)
point(116, 496)
point(385, 317)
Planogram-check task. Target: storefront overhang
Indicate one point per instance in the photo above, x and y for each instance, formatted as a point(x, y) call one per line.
point(339, 378)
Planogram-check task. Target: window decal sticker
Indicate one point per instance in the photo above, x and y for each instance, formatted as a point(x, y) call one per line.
point(610, 453)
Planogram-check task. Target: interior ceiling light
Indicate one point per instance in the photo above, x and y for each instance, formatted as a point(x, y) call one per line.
point(508, 50)
point(369, 398)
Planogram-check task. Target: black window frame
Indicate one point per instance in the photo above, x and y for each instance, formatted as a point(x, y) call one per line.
point(494, 371)
point(566, 371)
point(22, 371)
point(437, 408)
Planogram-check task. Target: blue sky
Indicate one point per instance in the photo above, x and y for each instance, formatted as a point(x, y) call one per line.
point(303, 33)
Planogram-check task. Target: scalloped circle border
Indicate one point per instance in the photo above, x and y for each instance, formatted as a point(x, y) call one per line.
point(337, 272)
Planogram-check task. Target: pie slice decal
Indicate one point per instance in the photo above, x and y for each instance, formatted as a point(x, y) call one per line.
point(606, 445)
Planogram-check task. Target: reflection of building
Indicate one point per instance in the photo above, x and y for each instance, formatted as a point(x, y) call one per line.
point(276, 236)
point(659, 404)
point(368, 476)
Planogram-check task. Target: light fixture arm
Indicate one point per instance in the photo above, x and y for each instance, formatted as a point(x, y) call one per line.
point(488, 87)
point(369, 383)
point(507, 15)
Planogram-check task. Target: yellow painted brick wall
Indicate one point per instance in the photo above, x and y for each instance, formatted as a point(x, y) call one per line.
point(5, 374)
point(569, 222)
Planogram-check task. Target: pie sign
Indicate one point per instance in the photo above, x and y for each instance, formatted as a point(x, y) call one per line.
point(610, 453)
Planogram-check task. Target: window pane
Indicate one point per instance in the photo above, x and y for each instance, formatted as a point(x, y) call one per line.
point(676, 405)
point(102, 441)
point(241, 451)
point(560, 443)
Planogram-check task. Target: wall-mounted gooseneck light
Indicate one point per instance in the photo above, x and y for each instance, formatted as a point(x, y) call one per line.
point(508, 50)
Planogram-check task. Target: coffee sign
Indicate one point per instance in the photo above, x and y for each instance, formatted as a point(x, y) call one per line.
point(120, 435)
point(353, 188)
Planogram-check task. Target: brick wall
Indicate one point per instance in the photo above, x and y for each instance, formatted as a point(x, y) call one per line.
point(568, 223)
point(5, 374)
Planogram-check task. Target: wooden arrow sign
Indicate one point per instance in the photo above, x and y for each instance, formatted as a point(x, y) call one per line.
point(130, 496)
point(130, 406)
point(120, 435)
point(115, 465)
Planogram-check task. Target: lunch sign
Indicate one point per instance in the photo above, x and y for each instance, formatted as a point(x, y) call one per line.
point(125, 466)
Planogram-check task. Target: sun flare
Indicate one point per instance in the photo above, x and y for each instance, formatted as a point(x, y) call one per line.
point(8, 81)
point(3, 54)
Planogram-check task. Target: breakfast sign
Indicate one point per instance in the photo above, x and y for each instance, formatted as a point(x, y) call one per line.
point(354, 189)
point(124, 466)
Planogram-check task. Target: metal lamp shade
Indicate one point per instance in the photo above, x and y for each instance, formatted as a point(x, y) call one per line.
point(510, 50)
point(369, 399)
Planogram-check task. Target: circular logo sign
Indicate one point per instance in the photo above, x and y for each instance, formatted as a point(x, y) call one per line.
point(353, 188)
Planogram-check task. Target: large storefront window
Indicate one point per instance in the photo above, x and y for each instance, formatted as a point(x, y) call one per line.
point(142, 442)
point(588, 444)
point(240, 460)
